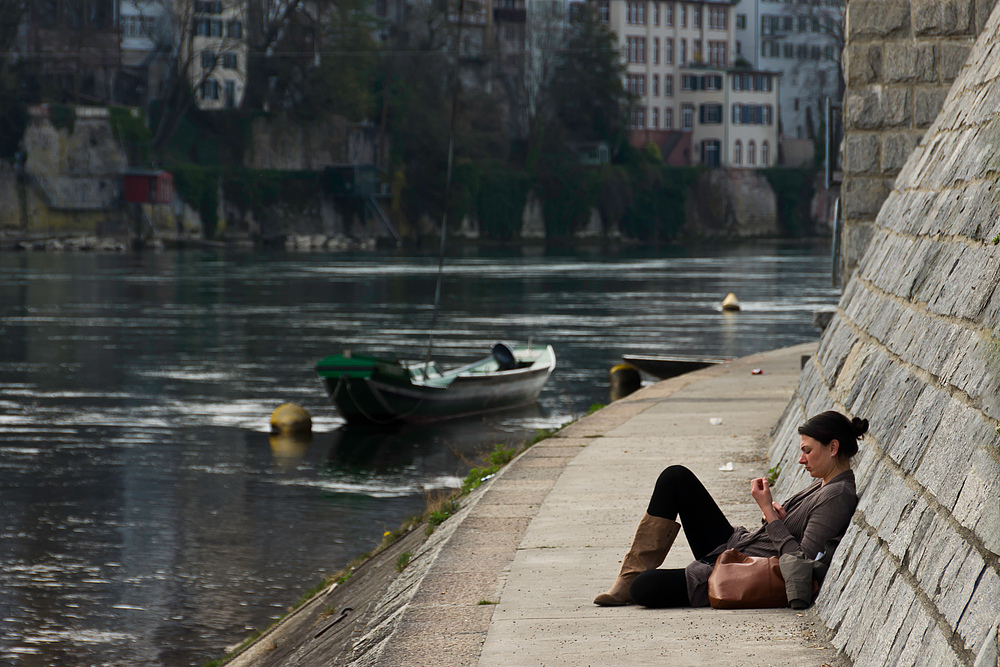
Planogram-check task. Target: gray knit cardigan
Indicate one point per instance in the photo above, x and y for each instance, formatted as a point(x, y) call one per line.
point(814, 515)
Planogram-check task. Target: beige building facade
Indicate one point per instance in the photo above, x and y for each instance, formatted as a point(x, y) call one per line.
point(679, 65)
point(215, 50)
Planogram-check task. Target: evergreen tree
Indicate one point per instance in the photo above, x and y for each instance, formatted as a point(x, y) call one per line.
point(585, 98)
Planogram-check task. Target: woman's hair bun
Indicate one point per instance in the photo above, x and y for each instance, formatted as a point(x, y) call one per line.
point(860, 426)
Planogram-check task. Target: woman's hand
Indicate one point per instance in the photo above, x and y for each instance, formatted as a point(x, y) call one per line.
point(760, 491)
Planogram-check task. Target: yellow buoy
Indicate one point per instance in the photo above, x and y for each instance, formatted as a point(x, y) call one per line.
point(730, 302)
point(624, 380)
point(290, 418)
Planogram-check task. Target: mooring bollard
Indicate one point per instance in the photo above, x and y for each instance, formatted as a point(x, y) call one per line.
point(624, 380)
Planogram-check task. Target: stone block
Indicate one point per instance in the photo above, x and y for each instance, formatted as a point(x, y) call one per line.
point(983, 10)
point(927, 104)
point(947, 456)
point(861, 153)
point(896, 148)
point(978, 504)
point(951, 57)
point(981, 614)
point(910, 639)
point(908, 61)
point(863, 197)
point(916, 433)
point(863, 109)
point(868, 19)
point(897, 106)
point(943, 17)
point(863, 64)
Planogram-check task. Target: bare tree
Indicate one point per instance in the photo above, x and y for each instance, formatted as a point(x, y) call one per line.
point(206, 36)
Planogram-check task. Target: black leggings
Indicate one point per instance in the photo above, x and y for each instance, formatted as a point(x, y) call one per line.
point(680, 496)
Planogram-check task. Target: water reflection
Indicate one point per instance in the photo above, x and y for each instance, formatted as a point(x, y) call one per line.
point(148, 517)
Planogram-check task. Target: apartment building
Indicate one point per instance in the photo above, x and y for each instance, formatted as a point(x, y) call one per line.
point(145, 32)
point(680, 66)
point(802, 39)
point(215, 49)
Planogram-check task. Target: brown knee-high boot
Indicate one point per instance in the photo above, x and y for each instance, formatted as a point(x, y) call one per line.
point(652, 541)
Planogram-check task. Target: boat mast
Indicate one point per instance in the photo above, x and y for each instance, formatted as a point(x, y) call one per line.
point(447, 182)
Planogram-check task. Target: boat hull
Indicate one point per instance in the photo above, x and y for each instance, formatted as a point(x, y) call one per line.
point(668, 367)
point(387, 398)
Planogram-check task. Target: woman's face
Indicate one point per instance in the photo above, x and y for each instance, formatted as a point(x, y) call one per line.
point(819, 459)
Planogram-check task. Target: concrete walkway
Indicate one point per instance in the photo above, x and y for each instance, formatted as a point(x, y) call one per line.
point(573, 546)
point(549, 533)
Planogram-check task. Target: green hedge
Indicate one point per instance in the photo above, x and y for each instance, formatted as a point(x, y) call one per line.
point(199, 188)
point(794, 189)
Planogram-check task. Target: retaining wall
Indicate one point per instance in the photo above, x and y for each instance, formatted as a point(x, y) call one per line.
point(900, 59)
point(913, 347)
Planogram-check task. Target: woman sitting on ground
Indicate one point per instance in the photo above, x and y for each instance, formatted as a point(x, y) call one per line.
point(804, 522)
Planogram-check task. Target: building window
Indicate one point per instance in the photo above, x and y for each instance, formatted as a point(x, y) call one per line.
point(668, 118)
point(668, 51)
point(668, 85)
point(696, 50)
point(656, 13)
point(604, 11)
point(208, 59)
point(230, 61)
point(202, 27)
point(710, 150)
point(656, 50)
point(717, 53)
point(638, 118)
point(656, 85)
point(635, 13)
point(696, 16)
point(687, 117)
point(795, 104)
point(235, 29)
point(668, 18)
point(710, 114)
point(738, 152)
point(210, 90)
point(711, 82)
point(230, 94)
point(741, 21)
point(636, 84)
point(656, 118)
point(689, 82)
point(684, 15)
point(684, 52)
point(216, 28)
point(751, 153)
point(765, 154)
point(717, 18)
point(635, 49)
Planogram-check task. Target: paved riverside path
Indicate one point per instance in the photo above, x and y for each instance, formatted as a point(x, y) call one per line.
point(549, 533)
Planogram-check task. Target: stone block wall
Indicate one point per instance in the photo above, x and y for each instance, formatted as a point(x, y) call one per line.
point(914, 348)
point(900, 59)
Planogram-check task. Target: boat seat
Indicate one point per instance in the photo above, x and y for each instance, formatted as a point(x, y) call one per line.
point(504, 357)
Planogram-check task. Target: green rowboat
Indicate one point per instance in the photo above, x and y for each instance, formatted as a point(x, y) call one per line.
point(370, 390)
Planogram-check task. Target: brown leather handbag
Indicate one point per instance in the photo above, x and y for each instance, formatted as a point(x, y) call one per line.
point(739, 581)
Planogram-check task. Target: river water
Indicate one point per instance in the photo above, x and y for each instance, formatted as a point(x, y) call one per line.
point(146, 518)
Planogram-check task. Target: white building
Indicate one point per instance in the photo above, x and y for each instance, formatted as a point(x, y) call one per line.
point(680, 66)
point(215, 49)
point(145, 31)
point(803, 40)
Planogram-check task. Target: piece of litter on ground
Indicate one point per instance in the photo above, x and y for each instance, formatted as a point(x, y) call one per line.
point(715, 421)
point(727, 468)
point(757, 371)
